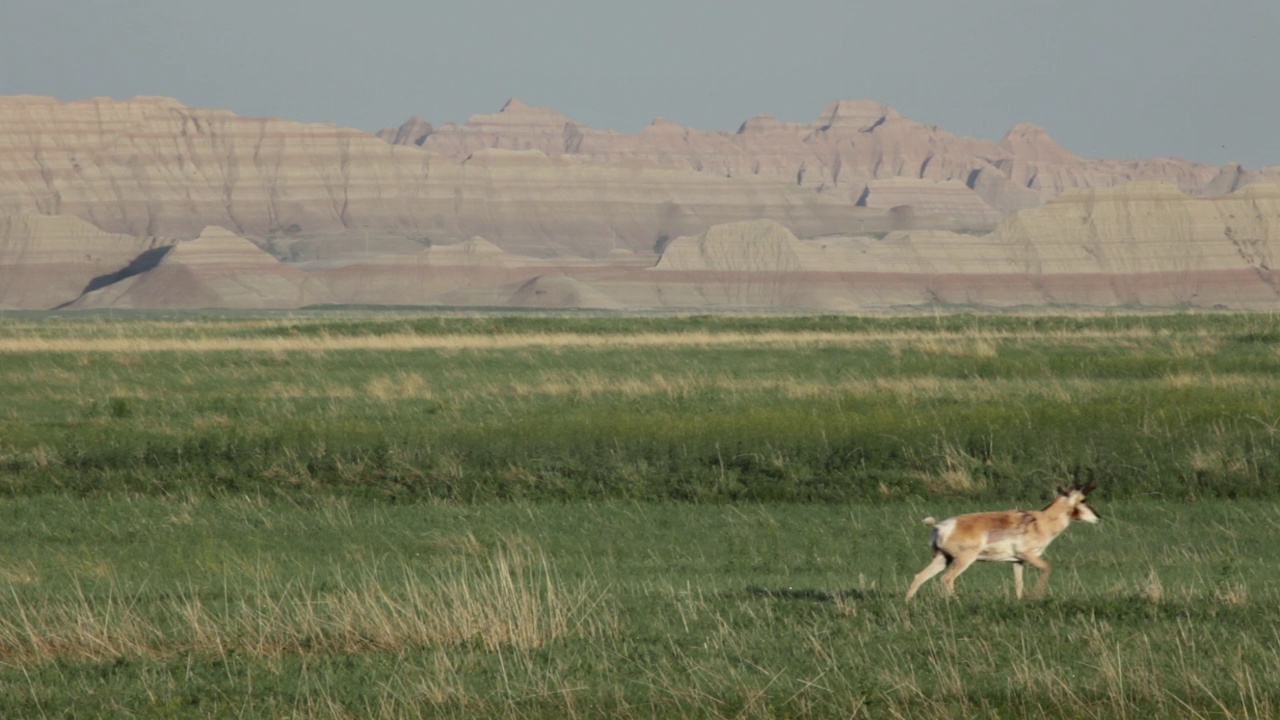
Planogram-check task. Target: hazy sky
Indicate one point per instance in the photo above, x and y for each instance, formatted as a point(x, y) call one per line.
point(1108, 78)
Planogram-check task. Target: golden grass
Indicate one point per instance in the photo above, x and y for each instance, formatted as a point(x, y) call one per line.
point(977, 343)
point(677, 385)
point(401, 386)
point(19, 574)
point(514, 600)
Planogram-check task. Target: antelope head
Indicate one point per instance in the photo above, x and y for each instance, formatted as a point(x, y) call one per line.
point(1076, 498)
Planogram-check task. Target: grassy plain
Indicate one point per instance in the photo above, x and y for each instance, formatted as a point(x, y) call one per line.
point(401, 515)
point(688, 409)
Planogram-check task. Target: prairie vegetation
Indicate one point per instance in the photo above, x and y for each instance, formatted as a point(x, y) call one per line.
point(690, 409)
point(403, 515)
point(196, 607)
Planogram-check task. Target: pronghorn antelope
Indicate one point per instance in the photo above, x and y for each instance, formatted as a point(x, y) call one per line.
point(1016, 536)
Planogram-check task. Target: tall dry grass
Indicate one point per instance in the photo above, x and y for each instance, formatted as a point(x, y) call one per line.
point(514, 600)
point(974, 342)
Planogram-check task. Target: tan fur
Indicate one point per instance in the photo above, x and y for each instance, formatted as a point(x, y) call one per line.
point(1015, 536)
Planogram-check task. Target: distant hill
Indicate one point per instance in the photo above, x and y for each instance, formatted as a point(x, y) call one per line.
point(849, 146)
point(150, 203)
point(152, 166)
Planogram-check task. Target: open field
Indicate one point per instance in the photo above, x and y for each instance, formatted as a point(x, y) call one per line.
point(263, 608)
point(691, 409)
point(406, 515)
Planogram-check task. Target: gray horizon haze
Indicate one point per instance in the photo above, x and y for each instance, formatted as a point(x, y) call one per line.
point(1115, 79)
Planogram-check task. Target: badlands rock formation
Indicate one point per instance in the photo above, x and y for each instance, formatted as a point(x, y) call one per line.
point(559, 290)
point(851, 144)
point(751, 264)
point(152, 166)
point(472, 273)
point(46, 261)
point(217, 269)
point(1142, 244)
point(1177, 250)
point(413, 131)
point(149, 203)
point(911, 202)
point(761, 264)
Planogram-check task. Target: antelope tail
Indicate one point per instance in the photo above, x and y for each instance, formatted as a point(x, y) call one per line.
point(930, 522)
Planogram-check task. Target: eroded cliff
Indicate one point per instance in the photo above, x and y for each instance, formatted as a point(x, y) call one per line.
point(152, 166)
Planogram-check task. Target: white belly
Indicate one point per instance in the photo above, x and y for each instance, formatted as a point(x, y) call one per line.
point(1002, 551)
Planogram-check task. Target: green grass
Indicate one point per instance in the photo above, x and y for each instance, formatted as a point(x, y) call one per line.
point(227, 606)
point(338, 514)
point(691, 409)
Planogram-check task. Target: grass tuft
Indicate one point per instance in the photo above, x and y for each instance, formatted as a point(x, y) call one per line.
point(511, 600)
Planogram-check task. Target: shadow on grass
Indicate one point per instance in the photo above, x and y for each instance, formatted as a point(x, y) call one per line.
point(1121, 609)
point(1113, 608)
